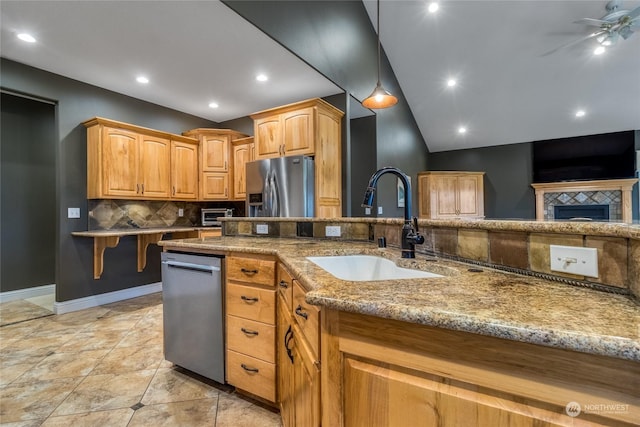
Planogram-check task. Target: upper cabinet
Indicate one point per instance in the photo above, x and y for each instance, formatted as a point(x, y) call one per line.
point(131, 162)
point(451, 194)
point(242, 152)
point(313, 128)
point(184, 170)
point(215, 166)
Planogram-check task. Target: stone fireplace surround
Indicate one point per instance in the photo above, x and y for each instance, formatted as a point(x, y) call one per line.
point(613, 192)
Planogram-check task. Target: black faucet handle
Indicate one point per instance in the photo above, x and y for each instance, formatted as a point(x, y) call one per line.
point(415, 224)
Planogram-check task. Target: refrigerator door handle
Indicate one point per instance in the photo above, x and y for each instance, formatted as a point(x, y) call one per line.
point(266, 203)
point(273, 197)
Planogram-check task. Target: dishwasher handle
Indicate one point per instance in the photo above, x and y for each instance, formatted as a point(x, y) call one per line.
point(201, 268)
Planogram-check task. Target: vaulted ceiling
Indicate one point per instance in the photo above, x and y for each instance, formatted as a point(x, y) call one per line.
point(509, 88)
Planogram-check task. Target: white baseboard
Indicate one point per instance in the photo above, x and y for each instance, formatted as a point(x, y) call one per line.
point(108, 298)
point(27, 293)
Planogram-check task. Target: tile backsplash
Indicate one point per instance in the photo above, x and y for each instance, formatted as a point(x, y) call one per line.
point(124, 214)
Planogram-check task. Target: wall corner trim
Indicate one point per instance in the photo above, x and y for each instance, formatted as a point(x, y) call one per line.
point(106, 298)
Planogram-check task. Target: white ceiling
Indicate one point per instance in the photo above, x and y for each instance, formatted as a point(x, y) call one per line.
point(195, 52)
point(509, 91)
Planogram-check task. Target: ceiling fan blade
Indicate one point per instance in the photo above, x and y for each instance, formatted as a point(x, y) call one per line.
point(593, 22)
point(634, 13)
point(571, 43)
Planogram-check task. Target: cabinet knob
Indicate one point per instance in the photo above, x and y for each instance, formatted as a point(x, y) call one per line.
point(283, 284)
point(301, 313)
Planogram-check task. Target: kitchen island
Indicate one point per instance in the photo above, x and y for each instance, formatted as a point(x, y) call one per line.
point(489, 345)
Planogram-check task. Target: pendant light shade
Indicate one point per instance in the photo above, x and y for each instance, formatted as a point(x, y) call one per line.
point(379, 98)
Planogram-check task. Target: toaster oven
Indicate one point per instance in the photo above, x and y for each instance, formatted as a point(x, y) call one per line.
point(210, 216)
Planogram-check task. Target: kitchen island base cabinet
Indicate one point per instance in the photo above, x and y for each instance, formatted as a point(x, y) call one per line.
point(381, 372)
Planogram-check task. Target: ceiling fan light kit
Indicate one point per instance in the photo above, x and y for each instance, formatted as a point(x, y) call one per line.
point(615, 24)
point(379, 98)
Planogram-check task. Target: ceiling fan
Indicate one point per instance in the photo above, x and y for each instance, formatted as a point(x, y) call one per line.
point(615, 24)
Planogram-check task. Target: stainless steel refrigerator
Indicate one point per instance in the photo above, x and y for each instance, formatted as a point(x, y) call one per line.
point(282, 187)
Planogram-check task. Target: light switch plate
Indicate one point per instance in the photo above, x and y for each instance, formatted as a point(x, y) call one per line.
point(262, 228)
point(574, 260)
point(73, 212)
point(379, 210)
point(367, 211)
point(180, 212)
point(332, 231)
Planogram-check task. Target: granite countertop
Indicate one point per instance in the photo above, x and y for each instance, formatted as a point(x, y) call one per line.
point(491, 302)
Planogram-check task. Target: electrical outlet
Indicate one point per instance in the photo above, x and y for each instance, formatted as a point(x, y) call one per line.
point(180, 212)
point(574, 260)
point(262, 228)
point(73, 212)
point(367, 211)
point(332, 231)
point(379, 210)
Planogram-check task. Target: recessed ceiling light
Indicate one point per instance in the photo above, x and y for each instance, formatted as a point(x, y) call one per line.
point(433, 7)
point(451, 82)
point(262, 77)
point(27, 38)
point(142, 79)
point(599, 50)
point(213, 105)
point(580, 113)
point(462, 130)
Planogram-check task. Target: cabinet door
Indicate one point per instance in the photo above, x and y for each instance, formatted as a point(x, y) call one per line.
point(154, 173)
point(401, 397)
point(468, 191)
point(306, 379)
point(121, 161)
point(184, 171)
point(215, 153)
point(328, 167)
point(285, 365)
point(445, 195)
point(268, 137)
point(241, 155)
point(215, 186)
point(298, 127)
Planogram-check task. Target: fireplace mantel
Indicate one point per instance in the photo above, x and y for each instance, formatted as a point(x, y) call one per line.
point(623, 185)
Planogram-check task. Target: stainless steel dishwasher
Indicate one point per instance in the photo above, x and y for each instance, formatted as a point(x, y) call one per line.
point(192, 313)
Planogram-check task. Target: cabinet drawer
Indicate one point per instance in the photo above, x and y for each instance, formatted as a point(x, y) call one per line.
point(285, 287)
point(251, 303)
point(252, 338)
point(307, 316)
point(252, 270)
point(253, 375)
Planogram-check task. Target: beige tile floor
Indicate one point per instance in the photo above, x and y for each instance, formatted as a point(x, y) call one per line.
point(104, 367)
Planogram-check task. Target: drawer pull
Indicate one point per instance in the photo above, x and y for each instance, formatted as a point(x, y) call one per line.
point(249, 369)
point(283, 284)
point(287, 338)
point(249, 332)
point(249, 272)
point(301, 313)
point(249, 300)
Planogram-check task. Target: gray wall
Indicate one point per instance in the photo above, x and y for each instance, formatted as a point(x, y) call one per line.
point(28, 193)
point(507, 180)
point(77, 102)
point(337, 39)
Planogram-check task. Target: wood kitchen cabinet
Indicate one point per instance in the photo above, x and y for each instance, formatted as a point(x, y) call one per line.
point(125, 161)
point(451, 194)
point(298, 361)
point(312, 127)
point(215, 168)
point(251, 324)
point(242, 152)
point(382, 372)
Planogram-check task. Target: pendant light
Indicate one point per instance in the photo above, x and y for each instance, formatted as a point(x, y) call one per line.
point(379, 98)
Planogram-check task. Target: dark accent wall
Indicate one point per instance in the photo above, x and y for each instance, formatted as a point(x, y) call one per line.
point(76, 102)
point(363, 160)
point(337, 39)
point(28, 193)
point(507, 180)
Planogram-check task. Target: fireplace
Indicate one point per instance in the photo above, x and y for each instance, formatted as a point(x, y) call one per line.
point(604, 200)
point(581, 212)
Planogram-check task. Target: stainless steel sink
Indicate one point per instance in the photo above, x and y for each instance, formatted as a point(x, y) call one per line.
point(362, 268)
